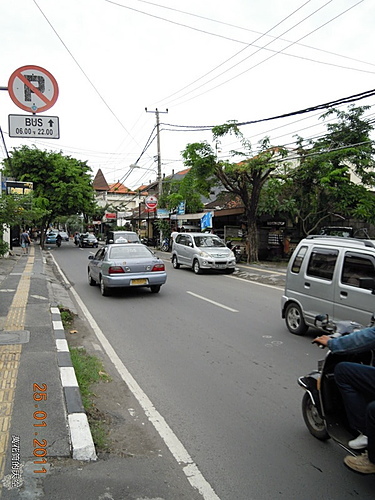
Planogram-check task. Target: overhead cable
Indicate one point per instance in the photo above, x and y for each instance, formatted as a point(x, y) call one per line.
point(330, 104)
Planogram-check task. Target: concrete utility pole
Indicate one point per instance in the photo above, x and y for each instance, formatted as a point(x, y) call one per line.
point(159, 178)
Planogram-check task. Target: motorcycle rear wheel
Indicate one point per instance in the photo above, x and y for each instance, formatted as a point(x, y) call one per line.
point(313, 420)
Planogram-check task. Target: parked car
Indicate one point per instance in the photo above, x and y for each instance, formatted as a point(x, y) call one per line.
point(88, 240)
point(64, 235)
point(202, 251)
point(126, 265)
point(51, 237)
point(329, 275)
point(122, 237)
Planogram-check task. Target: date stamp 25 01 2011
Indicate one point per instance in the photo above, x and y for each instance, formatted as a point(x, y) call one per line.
point(40, 417)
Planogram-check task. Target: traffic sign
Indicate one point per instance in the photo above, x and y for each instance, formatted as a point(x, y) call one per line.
point(33, 88)
point(151, 203)
point(43, 127)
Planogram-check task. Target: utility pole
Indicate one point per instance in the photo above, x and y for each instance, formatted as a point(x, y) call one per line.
point(159, 177)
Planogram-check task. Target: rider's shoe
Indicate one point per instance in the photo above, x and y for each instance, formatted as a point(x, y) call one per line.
point(359, 442)
point(361, 464)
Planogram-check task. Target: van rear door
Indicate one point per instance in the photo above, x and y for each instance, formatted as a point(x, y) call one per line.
point(311, 284)
point(354, 297)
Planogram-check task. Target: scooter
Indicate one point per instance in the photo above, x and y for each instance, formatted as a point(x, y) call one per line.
point(322, 405)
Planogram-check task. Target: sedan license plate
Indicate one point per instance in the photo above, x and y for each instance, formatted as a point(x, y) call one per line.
point(221, 266)
point(141, 281)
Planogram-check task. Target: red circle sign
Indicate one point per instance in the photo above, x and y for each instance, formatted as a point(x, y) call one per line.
point(151, 202)
point(33, 88)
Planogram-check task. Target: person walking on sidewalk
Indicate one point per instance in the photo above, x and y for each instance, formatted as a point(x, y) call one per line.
point(25, 241)
point(357, 386)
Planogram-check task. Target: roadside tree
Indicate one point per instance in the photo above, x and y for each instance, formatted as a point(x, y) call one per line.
point(62, 185)
point(17, 210)
point(245, 178)
point(333, 176)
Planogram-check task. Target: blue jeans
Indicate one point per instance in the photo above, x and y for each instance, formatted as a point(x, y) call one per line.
point(370, 429)
point(357, 386)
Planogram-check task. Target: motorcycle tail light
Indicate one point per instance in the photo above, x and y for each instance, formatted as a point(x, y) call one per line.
point(116, 270)
point(158, 267)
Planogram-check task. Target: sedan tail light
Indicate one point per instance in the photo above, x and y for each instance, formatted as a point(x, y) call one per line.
point(116, 270)
point(158, 267)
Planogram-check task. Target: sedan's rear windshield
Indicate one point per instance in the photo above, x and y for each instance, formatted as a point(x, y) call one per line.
point(208, 241)
point(129, 252)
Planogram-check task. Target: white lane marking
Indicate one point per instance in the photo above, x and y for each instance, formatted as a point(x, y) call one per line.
point(212, 302)
point(263, 270)
point(179, 452)
point(255, 283)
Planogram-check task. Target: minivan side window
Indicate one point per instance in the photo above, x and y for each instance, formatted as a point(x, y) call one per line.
point(358, 270)
point(297, 263)
point(322, 263)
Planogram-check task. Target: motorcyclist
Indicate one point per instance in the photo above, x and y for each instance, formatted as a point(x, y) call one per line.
point(58, 240)
point(357, 386)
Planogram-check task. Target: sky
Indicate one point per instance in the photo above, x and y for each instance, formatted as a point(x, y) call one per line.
point(199, 63)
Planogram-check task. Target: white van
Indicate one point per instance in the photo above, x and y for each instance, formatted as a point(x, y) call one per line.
point(329, 275)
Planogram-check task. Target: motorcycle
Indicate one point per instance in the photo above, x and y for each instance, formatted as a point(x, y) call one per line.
point(322, 405)
point(165, 245)
point(58, 242)
point(237, 253)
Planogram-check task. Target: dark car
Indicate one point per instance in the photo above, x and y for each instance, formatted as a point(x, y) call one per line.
point(88, 240)
point(122, 237)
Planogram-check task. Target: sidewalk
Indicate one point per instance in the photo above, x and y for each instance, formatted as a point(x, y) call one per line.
point(45, 452)
point(41, 412)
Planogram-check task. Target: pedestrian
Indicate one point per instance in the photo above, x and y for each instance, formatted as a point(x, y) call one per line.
point(25, 241)
point(356, 383)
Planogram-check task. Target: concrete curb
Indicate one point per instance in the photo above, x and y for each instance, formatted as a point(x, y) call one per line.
point(80, 435)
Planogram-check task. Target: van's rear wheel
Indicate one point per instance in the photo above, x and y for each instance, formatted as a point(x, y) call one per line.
point(294, 319)
point(313, 420)
point(175, 263)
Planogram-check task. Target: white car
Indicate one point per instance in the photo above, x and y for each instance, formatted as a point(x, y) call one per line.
point(202, 251)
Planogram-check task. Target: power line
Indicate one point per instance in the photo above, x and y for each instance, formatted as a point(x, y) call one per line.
point(85, 74)
point(232, 57)
point(261, 62)
point(330, 104)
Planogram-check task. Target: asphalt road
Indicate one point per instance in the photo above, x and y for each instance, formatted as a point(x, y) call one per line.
point(215, 358)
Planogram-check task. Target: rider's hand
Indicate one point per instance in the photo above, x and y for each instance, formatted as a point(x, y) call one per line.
point(323, 340)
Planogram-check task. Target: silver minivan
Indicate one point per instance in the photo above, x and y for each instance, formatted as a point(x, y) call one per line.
point(202, 251)
point(329, 275)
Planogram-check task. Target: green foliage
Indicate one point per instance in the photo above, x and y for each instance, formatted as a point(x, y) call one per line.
point(244, 179)
point(163, 227)
point(320, 185)
point(4, 247)
point(62, 185)
point(20, 210)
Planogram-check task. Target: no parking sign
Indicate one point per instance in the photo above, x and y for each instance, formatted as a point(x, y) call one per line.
point(33, 88)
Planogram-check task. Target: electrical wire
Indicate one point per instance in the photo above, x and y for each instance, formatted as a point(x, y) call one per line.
point(84, 73)
point(330, 104)
point(261, 62)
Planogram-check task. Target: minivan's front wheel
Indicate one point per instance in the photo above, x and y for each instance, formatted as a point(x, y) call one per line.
point(196, 267)
point(313, 420)
point(294, 319)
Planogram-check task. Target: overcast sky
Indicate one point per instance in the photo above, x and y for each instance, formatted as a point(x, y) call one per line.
point(207, 62)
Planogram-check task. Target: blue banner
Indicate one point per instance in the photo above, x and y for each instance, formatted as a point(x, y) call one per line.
point(206, 221)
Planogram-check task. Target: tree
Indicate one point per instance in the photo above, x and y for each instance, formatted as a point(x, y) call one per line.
point(322, 184)
point(244, 179)
point(62, 185)
point(17, 210)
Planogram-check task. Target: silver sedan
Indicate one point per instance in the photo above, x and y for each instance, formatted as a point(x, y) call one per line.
point(126, 265)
